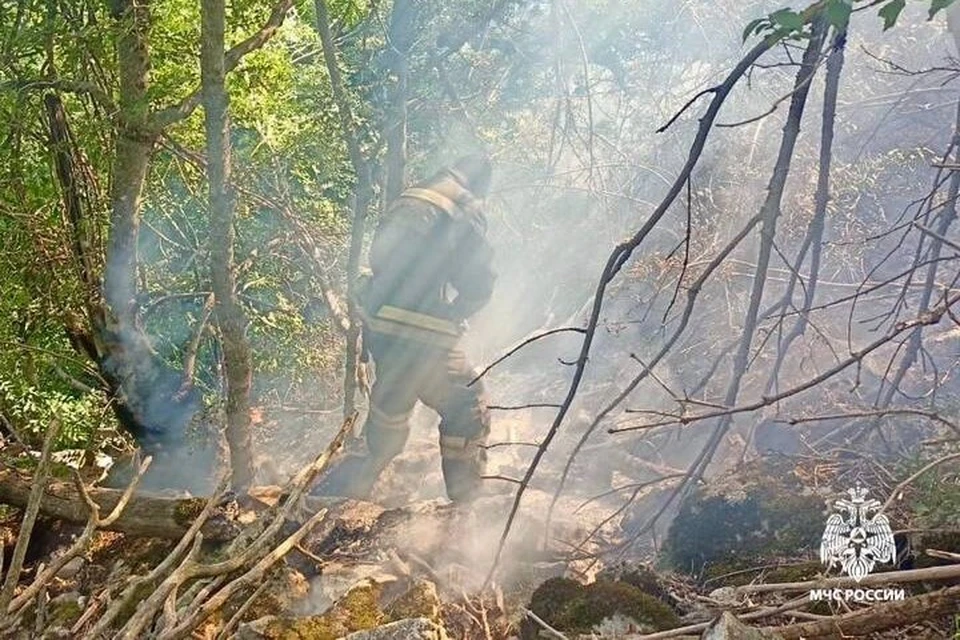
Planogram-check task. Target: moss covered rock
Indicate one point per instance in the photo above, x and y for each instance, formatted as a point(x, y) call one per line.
point(569, 606)
point(552, 598)
point(727, 627)
point(603, 599)
point(359, 609)
point(759, 514)
point(64, 610)
point(286, 587)
point(734, 574)
point(642, 578)
point(420, 601)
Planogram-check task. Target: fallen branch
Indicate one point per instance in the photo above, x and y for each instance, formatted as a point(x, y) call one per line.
point(252, 576)
point(929, 574)
point(765, 612)
point(134, 589)
point(14, 609)
point(943, 555)
point(553, 633)
point(255, 549)
point(926, 318)
point(878, 412)
point(144, 515)
point(33, 496)
point(890, 615)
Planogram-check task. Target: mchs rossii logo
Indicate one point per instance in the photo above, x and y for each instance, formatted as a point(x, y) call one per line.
point(856, 539)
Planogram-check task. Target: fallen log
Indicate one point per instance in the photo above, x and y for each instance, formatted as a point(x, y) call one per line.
point(145, 515)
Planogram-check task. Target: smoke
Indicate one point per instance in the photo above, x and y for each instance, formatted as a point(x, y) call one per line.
point(571, 127)
point(582, 168)
point(567, 98)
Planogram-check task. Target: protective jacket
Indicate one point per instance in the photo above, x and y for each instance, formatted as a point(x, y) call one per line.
point(431, 263)
point(431, 271)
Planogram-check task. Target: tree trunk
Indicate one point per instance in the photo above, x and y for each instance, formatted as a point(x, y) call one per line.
point(144, 386)
point(769, 216)
point(134, 146)
point(229, 314)
point(361, 202)
point(403, 29)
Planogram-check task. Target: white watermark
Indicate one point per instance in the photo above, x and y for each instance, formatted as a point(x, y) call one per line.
point(857, 595)
point(857, 539)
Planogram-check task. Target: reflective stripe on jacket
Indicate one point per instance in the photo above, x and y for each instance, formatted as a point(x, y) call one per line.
point(412, 325)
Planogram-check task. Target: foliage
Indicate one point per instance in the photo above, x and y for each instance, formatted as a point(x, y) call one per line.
point(529, 82)
point(793, 24)
point(31, 409)
point(934, 498)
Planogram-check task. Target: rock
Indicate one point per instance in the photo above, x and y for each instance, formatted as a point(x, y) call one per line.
point(62, 612)
point(725, 596)
point(948, 541)
point(419, 601)
point(407, 629)
point(643, 578)
point(760, 514)
point(339, 578)
point(604, 599)
point(255, 630)
point(727, 627)
point(568, 606)
point(549, 602)
point(285, 590)
point(65, 609)
point(71, 569)
point(358, 610)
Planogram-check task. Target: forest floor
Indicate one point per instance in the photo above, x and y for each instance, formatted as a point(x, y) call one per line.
point(410, 564)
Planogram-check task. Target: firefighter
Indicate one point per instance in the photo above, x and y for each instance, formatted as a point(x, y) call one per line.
point(431, 271)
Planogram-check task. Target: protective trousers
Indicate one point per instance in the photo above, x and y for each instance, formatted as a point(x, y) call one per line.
point(408, 371)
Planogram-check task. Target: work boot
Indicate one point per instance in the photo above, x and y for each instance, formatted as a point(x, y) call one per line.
point(349, 478)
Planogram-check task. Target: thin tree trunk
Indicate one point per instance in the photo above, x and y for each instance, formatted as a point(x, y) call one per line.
point(403, 28)
point(769, 215)
point(361, 202)
point(147, 392)
point(134, 145)
point(947, 217)
point(814, 239)
point(229, 314)
point(142, 382)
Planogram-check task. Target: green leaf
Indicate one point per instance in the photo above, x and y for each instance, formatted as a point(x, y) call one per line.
point(838, 13)
point(891, 11)
point(788, 19)
point(938, 5)
point(752, 27)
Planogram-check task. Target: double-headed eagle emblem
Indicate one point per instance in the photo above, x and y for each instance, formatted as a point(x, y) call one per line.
point(860, 541)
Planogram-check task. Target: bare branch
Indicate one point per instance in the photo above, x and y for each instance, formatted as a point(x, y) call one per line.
point(29, 518)
point(520, 346)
